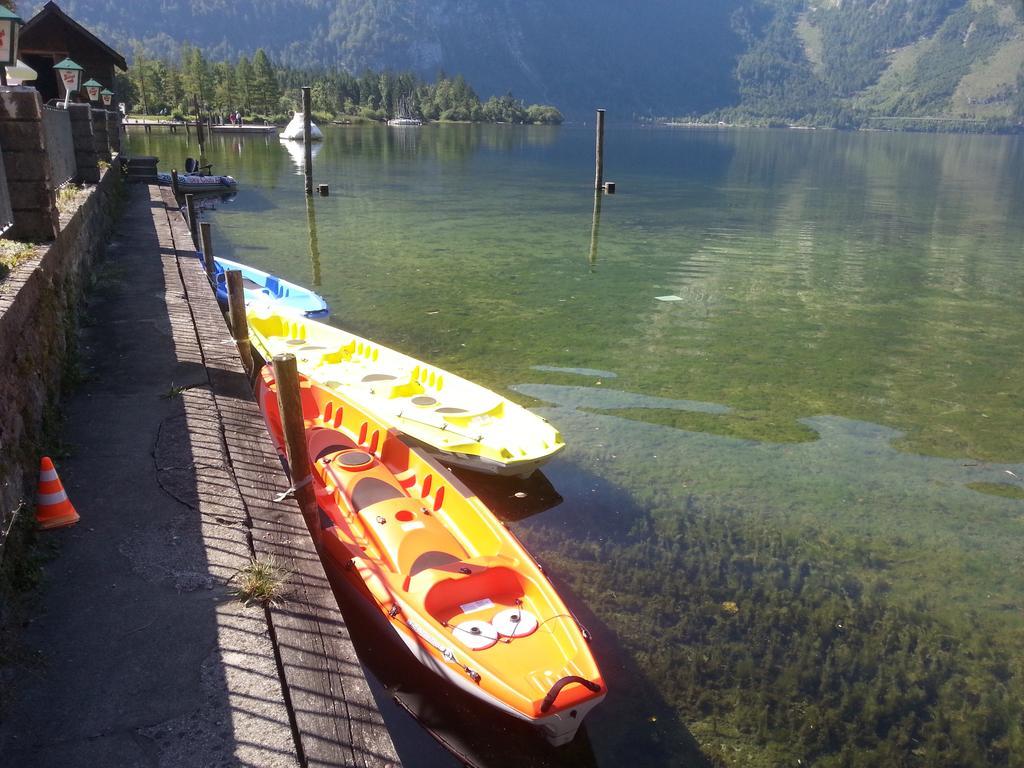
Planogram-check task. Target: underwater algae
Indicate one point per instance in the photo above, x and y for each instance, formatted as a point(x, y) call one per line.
point(779, 633)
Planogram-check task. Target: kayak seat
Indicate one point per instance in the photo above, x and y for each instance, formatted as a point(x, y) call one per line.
point(432, 558)
point(402, 530)
point(447, 596)
point(369, 490)
point(322, 442)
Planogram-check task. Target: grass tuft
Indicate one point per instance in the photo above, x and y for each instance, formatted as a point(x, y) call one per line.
point(261, 581)
point(12, 253)
point(67, 197)
point(175, 391)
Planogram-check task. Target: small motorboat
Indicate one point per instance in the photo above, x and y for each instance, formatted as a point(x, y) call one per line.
point(294, 130)
point(459, 422)
point(456, 585)
point(265, 289)
point(199, 184)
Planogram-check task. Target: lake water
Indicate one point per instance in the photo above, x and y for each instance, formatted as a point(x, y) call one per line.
point(788, 368)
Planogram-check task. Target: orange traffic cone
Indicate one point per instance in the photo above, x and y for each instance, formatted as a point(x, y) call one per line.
point(53, 509)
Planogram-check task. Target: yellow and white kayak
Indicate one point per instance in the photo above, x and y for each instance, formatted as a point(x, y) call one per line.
point(461, 423)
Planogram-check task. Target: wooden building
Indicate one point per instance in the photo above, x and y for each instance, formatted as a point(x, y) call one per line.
point(51, 36)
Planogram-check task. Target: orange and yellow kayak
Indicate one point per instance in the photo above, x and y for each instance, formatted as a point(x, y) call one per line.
point(455, 584)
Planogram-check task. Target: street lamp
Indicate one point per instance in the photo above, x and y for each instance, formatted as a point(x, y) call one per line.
point(10, 27)
point(92, 88)
point(70, 75)
point(107, 95)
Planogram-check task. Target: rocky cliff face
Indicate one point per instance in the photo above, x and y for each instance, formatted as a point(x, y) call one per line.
point(669, 57)
point(653, 55)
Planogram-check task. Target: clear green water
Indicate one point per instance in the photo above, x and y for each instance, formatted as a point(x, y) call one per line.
point(824, 426)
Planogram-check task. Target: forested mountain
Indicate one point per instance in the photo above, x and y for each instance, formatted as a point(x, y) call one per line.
point(819, 60)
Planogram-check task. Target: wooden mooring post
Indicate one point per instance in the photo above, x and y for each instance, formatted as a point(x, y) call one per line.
point(193, 224)
point(199, 132)
point(207, 238)
point(236, 315)
point(599, 171)
point(289, 403)
point(595, 228)
point(175, 189)
point(307, 138)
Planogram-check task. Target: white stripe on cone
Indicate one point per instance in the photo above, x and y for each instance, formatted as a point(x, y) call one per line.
point(46, 499)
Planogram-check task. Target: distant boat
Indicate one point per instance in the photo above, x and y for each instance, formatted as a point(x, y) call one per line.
point(194, 183)
point(294, 132)
point(404, 112)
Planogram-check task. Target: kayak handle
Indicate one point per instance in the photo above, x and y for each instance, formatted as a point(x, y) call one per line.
point(557, 689)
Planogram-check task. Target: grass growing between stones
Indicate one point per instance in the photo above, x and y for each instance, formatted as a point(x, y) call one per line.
point(12, 253)
point(67, 197)
point(261, 581)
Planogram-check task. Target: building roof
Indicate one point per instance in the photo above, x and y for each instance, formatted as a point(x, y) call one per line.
point(52, 11)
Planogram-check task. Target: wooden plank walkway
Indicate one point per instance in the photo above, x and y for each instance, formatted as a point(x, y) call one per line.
point(335, 717)
point(188, 125)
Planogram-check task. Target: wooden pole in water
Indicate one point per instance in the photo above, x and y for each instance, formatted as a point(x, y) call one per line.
point(599, 175)
point(595, 226)
point(314, 241)
point(236, 313)
point(207, 238)
point(289, 402)
point(193, 223)
point(199, 133)
point(307, 138)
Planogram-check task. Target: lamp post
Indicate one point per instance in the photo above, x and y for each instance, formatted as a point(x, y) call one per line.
point(107, 95)
point(92, 90)
point(70, 75)
point(10, 27)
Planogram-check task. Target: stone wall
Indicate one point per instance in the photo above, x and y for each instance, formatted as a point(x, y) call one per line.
point(38, 318)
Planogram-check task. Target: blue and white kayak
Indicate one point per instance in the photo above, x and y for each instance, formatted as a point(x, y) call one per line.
point(196, 184)
point(264, 288)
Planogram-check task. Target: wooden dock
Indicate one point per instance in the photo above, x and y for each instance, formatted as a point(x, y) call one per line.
point(335, 718)
point(243, 129)
point(173, 126)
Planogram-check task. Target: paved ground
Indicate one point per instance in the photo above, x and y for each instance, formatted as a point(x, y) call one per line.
point(146, 659)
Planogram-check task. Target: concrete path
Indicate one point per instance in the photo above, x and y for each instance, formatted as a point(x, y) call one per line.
point(145, 658)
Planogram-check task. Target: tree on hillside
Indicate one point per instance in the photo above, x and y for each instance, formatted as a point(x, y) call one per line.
point(224, 87)
point(174, 91)
point(1019, 111)
point(196, 77)
point(324, 95)
point(245, 82)
point(137, 74)
point(267, 93)
point(504, 109)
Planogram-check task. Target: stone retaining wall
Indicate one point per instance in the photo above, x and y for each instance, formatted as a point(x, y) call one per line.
point(38, 319)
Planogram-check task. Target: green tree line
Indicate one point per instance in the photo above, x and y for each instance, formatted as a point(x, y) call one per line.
point(257, 88)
